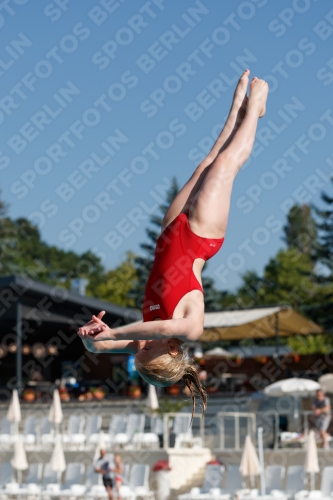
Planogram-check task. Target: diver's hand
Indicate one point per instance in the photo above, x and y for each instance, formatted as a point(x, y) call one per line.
point(95, 330)
point(98, 333)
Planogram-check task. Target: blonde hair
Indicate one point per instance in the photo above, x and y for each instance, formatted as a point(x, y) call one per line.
point(166, 370)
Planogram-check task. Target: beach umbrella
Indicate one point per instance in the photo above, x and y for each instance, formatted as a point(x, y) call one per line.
point(19, 460)
point(311, 465)
point(55, 413)
point(14, 410)
point(58, 462)
point(152, 400)
point(100, 446)
point(249, 465)
point(326, 382)
point(218, 351)
point(295, 387)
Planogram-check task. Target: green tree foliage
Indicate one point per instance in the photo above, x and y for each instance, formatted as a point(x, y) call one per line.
point(250, 293)
point(117, 282)
point(167, 405)
point(287, 279)
point(300, 232)
point(10, 253)
point(290, 277)
point(324, 257)
point(216, 300)
point(28, 254)
point(311, 344)
point(325, 228)
point(23, 252)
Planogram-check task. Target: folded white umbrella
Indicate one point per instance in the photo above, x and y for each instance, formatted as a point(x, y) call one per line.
point(14, 410)
point(295, 387)
point(55, 414)
point(249, 465)
point(152, 398)
point(58, 462)
point(311, 465)
point(19, 460)
point(101, 445)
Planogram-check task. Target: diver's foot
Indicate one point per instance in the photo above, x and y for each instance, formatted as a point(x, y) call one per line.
point(258, 97)
point(240, 98)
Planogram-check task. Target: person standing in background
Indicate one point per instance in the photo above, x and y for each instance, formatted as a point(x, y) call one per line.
point(111, 468)
point(321, 408)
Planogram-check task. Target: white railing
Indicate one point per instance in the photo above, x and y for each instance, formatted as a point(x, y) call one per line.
point(167, 428)
point(225, 430)
point(236, 416)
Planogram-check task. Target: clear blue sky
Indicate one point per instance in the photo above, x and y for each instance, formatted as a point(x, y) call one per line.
point(102, 103)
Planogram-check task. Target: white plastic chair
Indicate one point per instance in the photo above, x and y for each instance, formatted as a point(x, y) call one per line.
point(213, 480)
point(182, 424)
point(6, 477)
point(234, 479)
point(326, 487)
point(96, 492)
point(135, 425)
point(295, 480)
point(213, 477)
point(117, 425)
point(234, 485)
point(93, 427)
point(46, 435)
point(73, 482)
point(183, 430)
point(147, 440)
point(138, 485)
point(32, 486)
point(93, 484)
point(74, 438)
point(274, 477)
point(30, 431)
point(51, 481)
point(92, 477)
point(156, 425)
point(6, 437)
point(150, 439)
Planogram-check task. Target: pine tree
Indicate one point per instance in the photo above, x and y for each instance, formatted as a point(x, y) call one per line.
point(324, 256)
point(325, 228)
point(250, 293)
point(300, 232)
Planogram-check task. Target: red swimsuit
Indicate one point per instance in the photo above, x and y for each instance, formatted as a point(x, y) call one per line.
point(172, 274)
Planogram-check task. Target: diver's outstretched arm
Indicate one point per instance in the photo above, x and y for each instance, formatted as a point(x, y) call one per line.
point(127, 346)
point(187, 328)
point(116, 346)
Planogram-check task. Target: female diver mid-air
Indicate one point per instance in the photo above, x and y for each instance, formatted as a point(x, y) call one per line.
point(193, 231)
